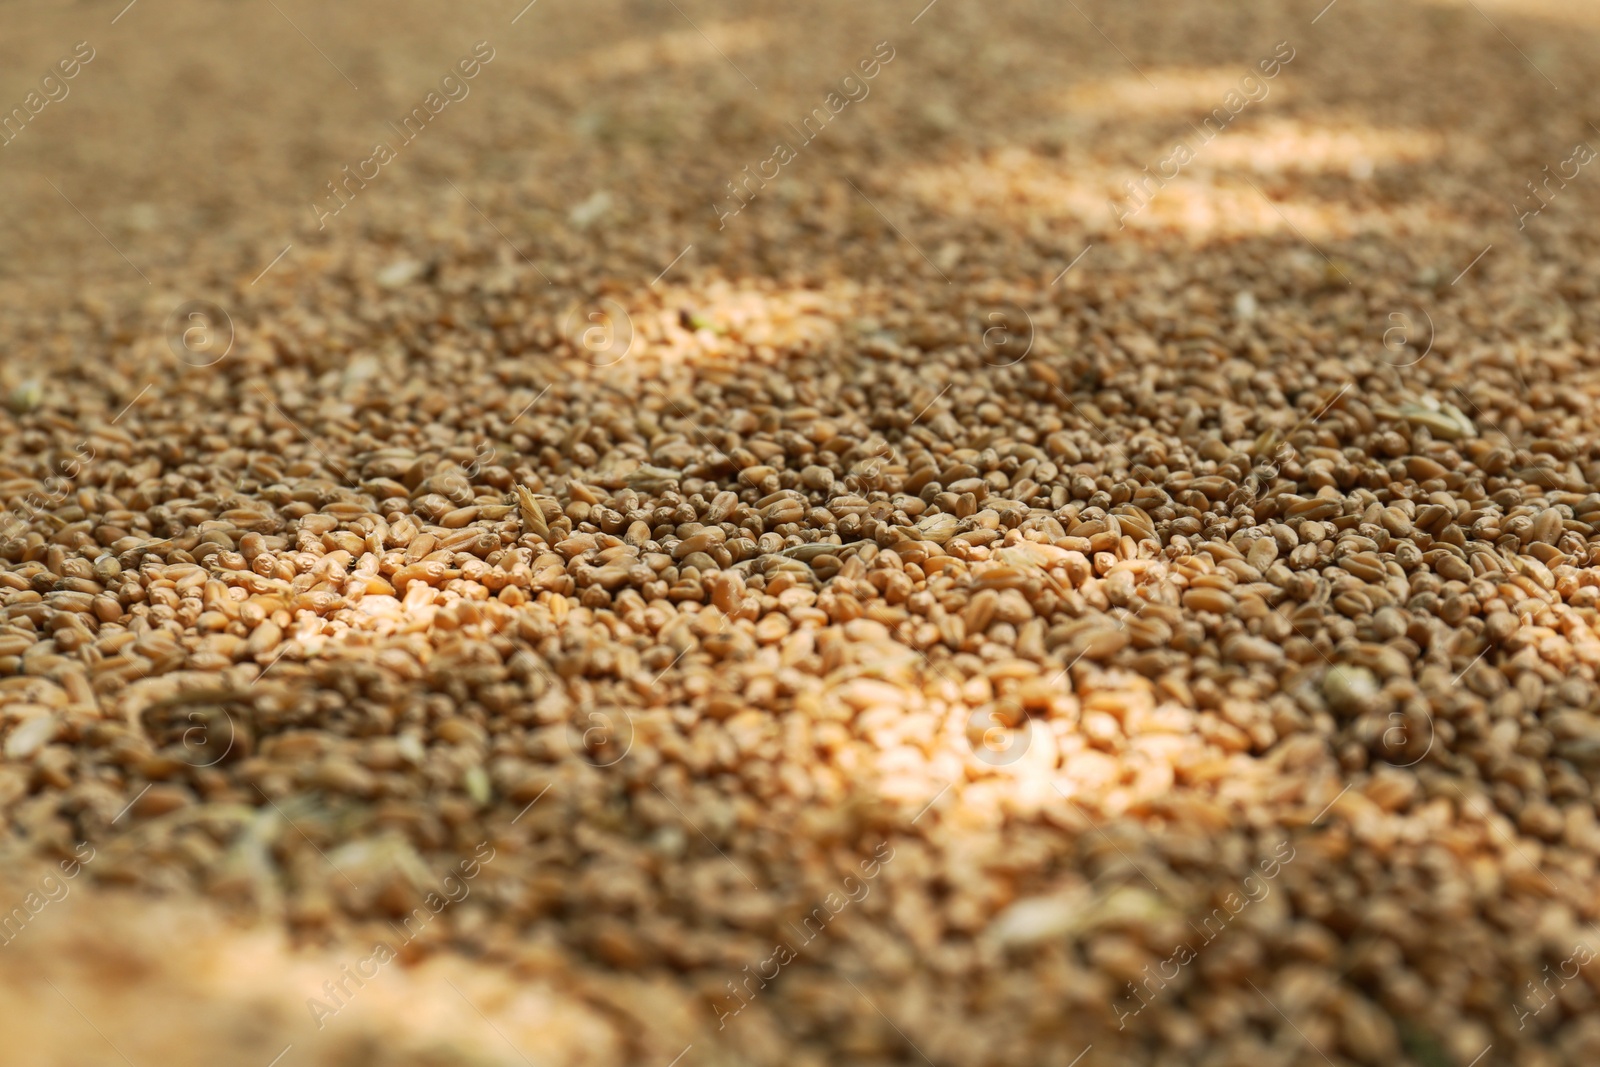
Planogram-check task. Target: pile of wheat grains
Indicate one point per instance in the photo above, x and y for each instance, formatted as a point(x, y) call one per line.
point(928, 622)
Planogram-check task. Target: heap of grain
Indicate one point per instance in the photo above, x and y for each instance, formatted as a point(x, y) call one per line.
point(1081, 643)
